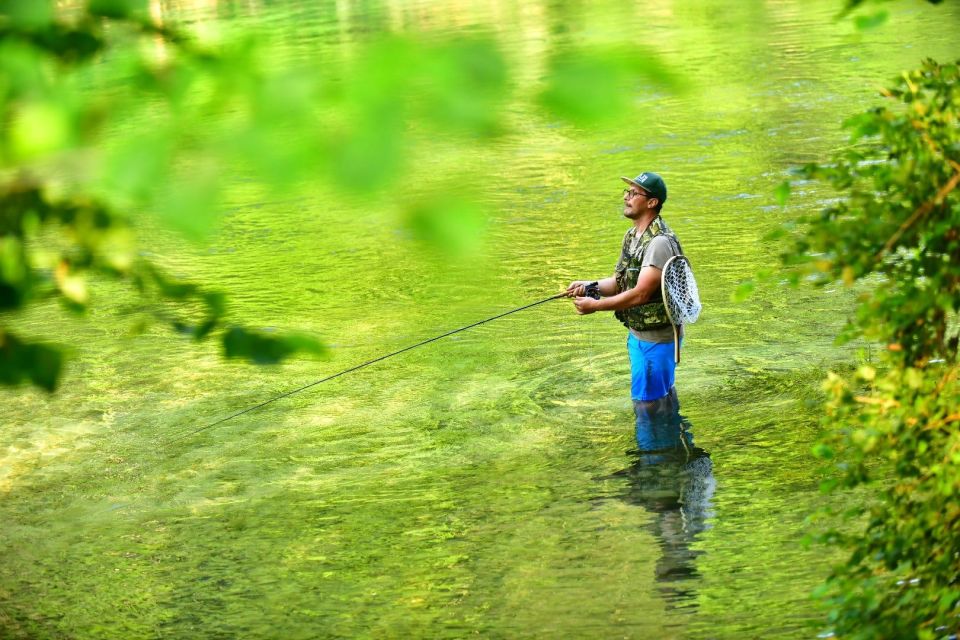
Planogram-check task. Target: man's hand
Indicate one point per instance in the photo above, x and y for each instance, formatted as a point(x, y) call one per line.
point(577, 288)
point(585, 305)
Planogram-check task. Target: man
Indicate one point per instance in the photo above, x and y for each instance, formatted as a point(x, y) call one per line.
point(633, 294)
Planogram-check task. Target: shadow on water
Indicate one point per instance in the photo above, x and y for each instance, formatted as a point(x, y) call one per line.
point(672, 479)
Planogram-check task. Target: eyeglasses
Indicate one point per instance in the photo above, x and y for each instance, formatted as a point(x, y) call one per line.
point(631, 194)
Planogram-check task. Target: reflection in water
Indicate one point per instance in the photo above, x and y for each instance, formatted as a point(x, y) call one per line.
point(673, 480)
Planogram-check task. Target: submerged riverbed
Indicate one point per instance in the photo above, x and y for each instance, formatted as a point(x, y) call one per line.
point(486, 484)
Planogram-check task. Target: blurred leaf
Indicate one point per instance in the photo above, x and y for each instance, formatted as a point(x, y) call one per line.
point(289, 97)
point(782, 193)
point(11, 296)
point(203, 329)
point(864, 23)
point(27, 13)
point(14, 273)
point(370, 158)
point(585, 89)
point(647, 65)
point(172, 289)
point(370, 147)
point(44, 364)
point(21, 68)
point(589, 87)
point(822, 451)
point(136, 168)
point(305, 344)
point(118, 8)
point(849, 6)
point(279, 158)
point(743, 291)
point(260, 348)
point(40, 128)
point(848, 275)
point(216, 302)
point(829, 485)
point(380, 79)
point(913, 378)
point(466, 81)
point(117, 249)
point(862, 125)
point(38, 363)
point(777, 233)
point(281, 141)
point(72, 285)
point(69, 44)
point(450, 223)
point(189, 205)
point(175, 83)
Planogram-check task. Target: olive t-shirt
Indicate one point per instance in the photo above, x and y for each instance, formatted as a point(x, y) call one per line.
point(656, 255)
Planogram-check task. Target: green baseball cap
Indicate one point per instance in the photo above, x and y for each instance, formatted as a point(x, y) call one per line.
point(650, 182)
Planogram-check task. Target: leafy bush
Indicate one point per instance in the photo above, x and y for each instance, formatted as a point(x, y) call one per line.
point(893, 427)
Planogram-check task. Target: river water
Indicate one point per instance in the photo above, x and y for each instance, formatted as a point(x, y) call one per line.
point(487, 484)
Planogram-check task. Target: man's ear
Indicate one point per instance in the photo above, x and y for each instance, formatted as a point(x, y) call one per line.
point(653, 203)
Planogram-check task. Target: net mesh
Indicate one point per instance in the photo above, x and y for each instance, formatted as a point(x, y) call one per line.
point(680, 292)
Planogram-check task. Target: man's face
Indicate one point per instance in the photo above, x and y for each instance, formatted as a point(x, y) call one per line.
point(636, 202)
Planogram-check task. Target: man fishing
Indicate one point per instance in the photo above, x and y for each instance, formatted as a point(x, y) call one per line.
point(633, 293)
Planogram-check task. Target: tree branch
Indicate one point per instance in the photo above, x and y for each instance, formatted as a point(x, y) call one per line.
point(922, 210)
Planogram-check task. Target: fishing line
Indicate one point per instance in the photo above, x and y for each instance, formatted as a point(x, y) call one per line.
point(355, 368)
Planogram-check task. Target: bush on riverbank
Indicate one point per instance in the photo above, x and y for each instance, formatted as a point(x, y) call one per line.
point(895, 227)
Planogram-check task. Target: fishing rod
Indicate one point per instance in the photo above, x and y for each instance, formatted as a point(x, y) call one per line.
point(355, 368)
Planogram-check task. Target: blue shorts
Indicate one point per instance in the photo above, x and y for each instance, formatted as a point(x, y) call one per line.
point(651, 368)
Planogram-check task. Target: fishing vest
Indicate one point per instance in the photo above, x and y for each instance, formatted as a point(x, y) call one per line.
point(651, 314)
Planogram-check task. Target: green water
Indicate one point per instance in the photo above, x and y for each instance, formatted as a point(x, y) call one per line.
point(485, 484)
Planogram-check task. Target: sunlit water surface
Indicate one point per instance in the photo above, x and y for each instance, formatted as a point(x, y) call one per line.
point(487, 483)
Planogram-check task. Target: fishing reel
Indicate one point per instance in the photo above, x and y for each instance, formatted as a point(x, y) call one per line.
point(592, 290)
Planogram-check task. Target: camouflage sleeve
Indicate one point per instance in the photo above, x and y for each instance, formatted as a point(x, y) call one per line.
point(658, 252)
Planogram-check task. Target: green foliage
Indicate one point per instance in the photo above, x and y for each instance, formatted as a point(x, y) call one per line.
point(450, 225)
point(262, 348)
point(117, 8)
point(36, 363)
point(59, 235)
point(893, 428)
point(851, 5)
point(594, 86)
point(873, 20)
point(897, 433)
point(75, 196)
point(782, 193)
point(898, 218)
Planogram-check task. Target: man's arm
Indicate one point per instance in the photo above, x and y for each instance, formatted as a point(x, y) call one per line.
point(648, 281)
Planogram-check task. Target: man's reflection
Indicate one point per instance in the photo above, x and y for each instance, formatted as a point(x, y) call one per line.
point(673, 480)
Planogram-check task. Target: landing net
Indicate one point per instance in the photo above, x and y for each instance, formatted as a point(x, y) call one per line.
point(680, 294)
